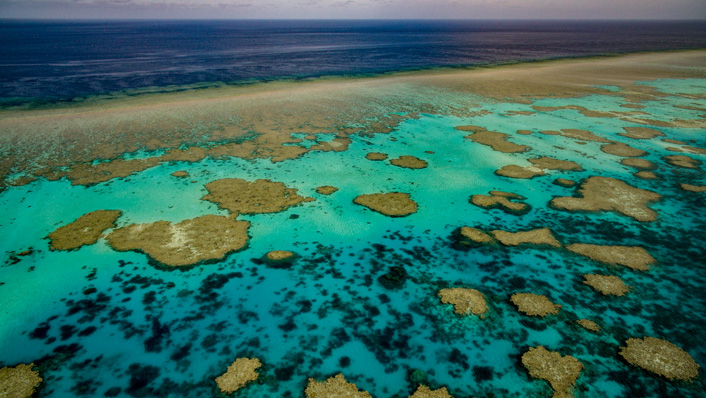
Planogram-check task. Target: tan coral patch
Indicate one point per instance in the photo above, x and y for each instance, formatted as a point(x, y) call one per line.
point(425, 392)
point(239, 373)
point(608, 285)
point(84, 231)
point(514, 171)
point(559, 371)
point(541, 236)
point(185, 243)
point(634, 257)
point(336, 386)
point(393, 204)
point(465, 301)
point(609, 194)
point(534, 304)
point(409, 162)
point(660, 357)
point(252, 197)
point(497, 141)
point(19, 381)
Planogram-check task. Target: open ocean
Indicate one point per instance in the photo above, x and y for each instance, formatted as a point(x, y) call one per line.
point(63, 60)
point(316, 226)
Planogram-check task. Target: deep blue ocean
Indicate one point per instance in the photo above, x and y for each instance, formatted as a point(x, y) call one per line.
point(64, 60)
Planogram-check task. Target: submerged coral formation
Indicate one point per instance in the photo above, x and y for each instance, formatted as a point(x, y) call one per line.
point(84, 231)
point(559, 371)
point(623, 150)
point(239, 373)
point(326, 190)
point(185, 243)
point(426, 392)
point(376, 156)
point(19, 381)
point(610, 194)
point(501, 200)
point(589, 325)
point(638, 163)
point(682, 161)
point(393, 204)
point(336, 386)
point(660, 357)
point(563, 182)
point(534, 304)
point(279, 258)
point(468, 236)
point(555, 164)
point(497, 141)
point(634, 257)
point(541, 236)
point(515, 171)
point(693, 188)
point(252, 197)
point(409, 162)
point(465, 301)
point(641, 133)
point(607, 284)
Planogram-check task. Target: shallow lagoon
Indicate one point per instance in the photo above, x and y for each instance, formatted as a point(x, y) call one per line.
point(117, 324)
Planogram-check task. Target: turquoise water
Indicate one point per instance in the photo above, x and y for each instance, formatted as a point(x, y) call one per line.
point(104, 322)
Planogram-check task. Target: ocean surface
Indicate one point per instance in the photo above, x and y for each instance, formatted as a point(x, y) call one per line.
point(361, 297)
point(64, 60)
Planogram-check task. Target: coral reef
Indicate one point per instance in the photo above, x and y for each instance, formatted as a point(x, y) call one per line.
point(326, 190)
point(534, 304)
point(376, 156)
point(465, 301)
point(468, 236)
point(609, 194)
point(185, 243)
point(409, 162)
point(641, 133)
point(515, 171)
point(563, 182)
point(252, 197)
point(497, 141)
point(239, 373)
point(334, 387)
point(660, 357)
point(555, 164)
point(19, 381)
point(623, 150)
point(180, 174)
point(634, 257)
point(84, 231)
point(559, 371)
point(638, 163)
point(607, 284)
point(541, 236)
point(646, 175)
point(393, 204)
point(425, 392)
point(589, 325)
point(501, 200)
point(279, 258)
point(682, 161)
point(693, 188)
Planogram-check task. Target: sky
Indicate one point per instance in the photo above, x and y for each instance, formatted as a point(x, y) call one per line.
point(354, 9)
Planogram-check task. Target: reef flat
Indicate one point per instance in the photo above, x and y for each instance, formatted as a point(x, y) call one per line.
point(453, 232)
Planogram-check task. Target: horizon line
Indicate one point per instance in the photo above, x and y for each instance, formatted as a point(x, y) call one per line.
point(355, 19)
